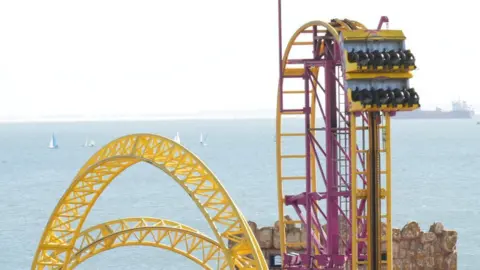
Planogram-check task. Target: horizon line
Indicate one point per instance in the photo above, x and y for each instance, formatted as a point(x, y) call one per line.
point(127, 118)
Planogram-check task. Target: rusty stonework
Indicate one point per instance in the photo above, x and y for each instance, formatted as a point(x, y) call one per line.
point(412, 247)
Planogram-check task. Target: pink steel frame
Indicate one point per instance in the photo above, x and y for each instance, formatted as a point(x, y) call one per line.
point(337, 183)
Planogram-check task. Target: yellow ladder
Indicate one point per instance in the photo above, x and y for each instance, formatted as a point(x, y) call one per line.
point(362, 186)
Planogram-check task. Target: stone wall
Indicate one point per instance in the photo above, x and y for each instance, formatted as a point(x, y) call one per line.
point(412, 248)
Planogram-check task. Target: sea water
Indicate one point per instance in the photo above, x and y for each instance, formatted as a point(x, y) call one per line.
point(435, 178)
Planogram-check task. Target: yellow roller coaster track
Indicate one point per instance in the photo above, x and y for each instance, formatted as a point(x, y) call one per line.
point(153, 232)
point(225, 220)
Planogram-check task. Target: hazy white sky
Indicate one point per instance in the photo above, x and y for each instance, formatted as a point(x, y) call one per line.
point(136, 57)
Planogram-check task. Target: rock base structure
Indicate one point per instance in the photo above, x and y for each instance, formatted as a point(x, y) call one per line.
point(412, 248)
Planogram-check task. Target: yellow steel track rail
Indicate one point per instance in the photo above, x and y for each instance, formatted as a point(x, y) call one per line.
point(187, 170)
point(146, 231)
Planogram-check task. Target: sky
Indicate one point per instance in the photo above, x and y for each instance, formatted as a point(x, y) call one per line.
point(99, 57)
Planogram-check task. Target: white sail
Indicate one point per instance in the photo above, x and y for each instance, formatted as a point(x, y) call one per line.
point(53, 142)
point(177, 138)
point(203, 140)
point(89, 143)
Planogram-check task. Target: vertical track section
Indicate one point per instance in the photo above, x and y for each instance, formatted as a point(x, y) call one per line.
point(374, 222)
point(308, 182)
point(343, 159)
point(371, 190)
point(370, 151)
point(331, 129)
point(387, 211)
point(358, 198)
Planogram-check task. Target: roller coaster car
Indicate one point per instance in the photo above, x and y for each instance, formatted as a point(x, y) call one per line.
point(374, 51)
point(380, 99)
point(392, 60)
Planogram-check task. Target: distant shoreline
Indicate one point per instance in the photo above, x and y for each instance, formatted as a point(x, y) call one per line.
point(127, 119)
point(79, 119)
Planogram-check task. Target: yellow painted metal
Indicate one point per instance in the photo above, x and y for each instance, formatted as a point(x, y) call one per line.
point(346, 27)
point(384, 195)
point(293, 156)
point(358, 25)
point(294, 92)
point(356, 106)
point(354, 189)
point(373, 202)
point(353, 74)
point(343, 25)
point(362, 192)
point(294, 112)
point(223, 216)
point(365, 72)
point(293, 71)
point(293, 178)
point(373, 35)
point(303, 43)
point(292, 134)
point(388, 188)
point(153, 232)
point(382, 198)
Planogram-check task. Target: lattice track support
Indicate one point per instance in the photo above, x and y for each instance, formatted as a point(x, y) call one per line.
point(377, 69)
point(346, 73)
point(326, 159)
point(152, 232)
point(228, 225)
point(373, 227)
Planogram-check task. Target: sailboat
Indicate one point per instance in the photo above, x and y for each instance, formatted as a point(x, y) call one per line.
point(53, 142)
point(90, 143)
point(177, 138)
point(203, 141)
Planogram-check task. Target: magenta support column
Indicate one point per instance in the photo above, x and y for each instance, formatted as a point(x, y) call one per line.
point(332, 176)
point(308, 187)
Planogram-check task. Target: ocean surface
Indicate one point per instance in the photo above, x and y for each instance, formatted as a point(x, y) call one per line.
point(435, 178)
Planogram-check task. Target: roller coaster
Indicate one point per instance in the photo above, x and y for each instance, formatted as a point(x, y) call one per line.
point(343, 83)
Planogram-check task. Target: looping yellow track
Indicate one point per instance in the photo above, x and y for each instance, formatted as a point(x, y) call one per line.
point(223, 216)
point(153, 232)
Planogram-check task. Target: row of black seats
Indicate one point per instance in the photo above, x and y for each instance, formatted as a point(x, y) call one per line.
point(386, 58)
point(382, 96)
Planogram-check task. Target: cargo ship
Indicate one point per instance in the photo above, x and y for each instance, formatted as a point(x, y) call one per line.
point(460, 110)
